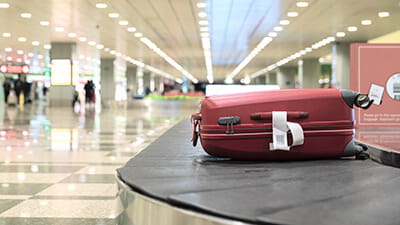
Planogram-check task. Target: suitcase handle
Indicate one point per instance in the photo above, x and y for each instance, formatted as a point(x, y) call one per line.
point(268, 115)
point(195, 119)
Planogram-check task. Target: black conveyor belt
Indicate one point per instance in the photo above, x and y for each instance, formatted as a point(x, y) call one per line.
point(341, 191)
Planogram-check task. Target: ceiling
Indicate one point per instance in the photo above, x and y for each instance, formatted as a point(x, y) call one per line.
point(235, 27)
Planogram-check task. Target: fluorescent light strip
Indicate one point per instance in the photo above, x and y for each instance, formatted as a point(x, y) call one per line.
point(294, 56)
point(153, 47)
point(264, 42)
point(205, 42)
point(172, 62)
point(152, 69)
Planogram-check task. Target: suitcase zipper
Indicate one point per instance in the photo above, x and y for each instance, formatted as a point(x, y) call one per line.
point(230, 129)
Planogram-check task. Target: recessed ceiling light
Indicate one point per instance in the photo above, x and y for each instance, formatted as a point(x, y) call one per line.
point(4, 5)
point(201, 5)
point(366, 22)
point(40, 56)
point(92, 43)
point(272, 34)
point(19, 60)
point(202, 14)
point(26, 15)
point(292, 14)
point(44, 23)
point(8, 49)
point(30, 54)
point(131, 29)
point(302, 4)
point(123, 22)
point(35, 43)
point(6, 35)
point(106, 49)
point(48, 46)
point(113, 15)
point(204, 29)
point(203, 22)
point(60, 29)
point(99, 46)
point(340, 34)
point(321, 60)
point(71, 35)
point(101, 5)
point(137, 34)
point(284, 22)
point(22, 39)
point(278, 28)
point(9, 58)
point(352, 29)
point(20, 52)
point(383, 14)
point(82, 39)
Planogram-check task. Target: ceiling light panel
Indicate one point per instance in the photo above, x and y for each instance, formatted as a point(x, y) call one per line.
point(101, 5)
point(113, 15)
point(26, 15)
point(383, 14)
point(302, 4)
point(4, 5)
point(366, 22)
point(44, 23)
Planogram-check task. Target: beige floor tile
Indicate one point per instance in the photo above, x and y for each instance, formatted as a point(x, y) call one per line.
point(98, 170)
point(15, 196)
point(73, 189)
point(64, 209)
point(32, 177)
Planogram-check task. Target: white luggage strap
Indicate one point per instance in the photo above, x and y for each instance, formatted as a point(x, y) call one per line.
point(280, 127)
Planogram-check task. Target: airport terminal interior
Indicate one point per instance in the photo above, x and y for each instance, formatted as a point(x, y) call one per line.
point(88, 85)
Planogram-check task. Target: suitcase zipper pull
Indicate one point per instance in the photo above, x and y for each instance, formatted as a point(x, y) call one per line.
point(229, 128)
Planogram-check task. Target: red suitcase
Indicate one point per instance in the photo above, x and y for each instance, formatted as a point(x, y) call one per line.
point(291, 124)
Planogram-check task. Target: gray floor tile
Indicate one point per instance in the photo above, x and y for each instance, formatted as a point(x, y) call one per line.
point(90, 178)
point(38, 169)
point(22, 188)
point(55, 221)
point(5, 204)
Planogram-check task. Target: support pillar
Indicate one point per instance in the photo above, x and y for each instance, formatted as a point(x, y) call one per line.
point(270, 78)
point(62, 81)
point(341, 65)
point(131, 81)
point(139, 81)
point(107, 79)
point(286, 77)
point(311, 69)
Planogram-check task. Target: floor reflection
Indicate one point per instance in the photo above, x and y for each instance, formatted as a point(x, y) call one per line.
point(56, 160)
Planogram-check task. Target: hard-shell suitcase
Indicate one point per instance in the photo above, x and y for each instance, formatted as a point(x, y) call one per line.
point(291, 124)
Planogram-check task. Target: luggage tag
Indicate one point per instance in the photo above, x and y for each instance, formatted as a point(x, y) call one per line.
point(376, 93)
point(280, 127)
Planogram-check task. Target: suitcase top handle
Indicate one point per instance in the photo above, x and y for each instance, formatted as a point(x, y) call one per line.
point(292, 115)
point(354, 98)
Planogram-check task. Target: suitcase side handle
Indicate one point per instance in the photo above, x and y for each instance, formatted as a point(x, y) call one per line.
point(268, 115)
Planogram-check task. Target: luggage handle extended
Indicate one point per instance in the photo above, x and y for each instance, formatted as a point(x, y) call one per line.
point(268, 115)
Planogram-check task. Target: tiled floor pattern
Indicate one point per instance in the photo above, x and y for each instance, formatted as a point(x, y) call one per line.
point(58, 166)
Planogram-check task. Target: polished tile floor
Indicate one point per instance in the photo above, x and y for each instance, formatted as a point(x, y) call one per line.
point(58, 163)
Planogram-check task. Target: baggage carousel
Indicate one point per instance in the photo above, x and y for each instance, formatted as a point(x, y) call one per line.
point(173, 183)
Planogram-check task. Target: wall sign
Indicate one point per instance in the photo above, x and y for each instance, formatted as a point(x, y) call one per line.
point(14, 68)
point(375, 69)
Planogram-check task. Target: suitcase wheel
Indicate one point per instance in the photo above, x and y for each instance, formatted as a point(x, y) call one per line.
point(362, 155)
